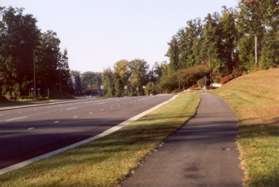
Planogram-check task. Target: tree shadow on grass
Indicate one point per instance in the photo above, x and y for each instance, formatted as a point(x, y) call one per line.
point(142, 134)
point(130, 139)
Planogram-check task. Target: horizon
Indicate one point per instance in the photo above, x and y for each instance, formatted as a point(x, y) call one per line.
point(95, 39)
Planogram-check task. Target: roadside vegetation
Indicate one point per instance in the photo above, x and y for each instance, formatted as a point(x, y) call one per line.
point(255, 100)
point(25, 50)
point(109, 160)
point(220, 47)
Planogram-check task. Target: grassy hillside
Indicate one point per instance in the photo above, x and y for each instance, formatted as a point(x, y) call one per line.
point(255, 100)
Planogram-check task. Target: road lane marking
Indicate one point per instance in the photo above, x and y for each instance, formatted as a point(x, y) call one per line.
point(85, 141)
point(30, 128)
point(56, 122)
point(71, 108)
point(16, 118)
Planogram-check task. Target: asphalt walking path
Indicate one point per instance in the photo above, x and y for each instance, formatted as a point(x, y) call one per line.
point(202, 153)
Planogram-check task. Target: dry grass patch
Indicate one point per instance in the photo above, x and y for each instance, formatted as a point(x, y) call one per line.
point(255, 100)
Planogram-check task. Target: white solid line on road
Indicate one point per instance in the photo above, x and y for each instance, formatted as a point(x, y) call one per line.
point(30, 128)
point(101, 135)
point(16, 118)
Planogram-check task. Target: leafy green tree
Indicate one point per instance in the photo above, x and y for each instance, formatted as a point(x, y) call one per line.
point(188, 41)
point(91, 83)
point(108, 82)
point(270, 50)
point(65, 80)
point(260, 20)
point(138, 77)
point(211, 43)
point(122, 73)
point(228, 41)
point(27, 54)
point(21, 36)
point(173, 54)
point(51, 65)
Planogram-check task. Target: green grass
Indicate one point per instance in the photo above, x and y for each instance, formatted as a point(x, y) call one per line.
point(109, 160)
point(255, 100)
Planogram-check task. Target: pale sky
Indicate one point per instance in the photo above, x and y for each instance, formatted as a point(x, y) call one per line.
point(97, 33)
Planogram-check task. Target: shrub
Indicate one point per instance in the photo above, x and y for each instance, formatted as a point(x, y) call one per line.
point(152, 89)
point(169, 83)
point(190, 76)
point(185, 78)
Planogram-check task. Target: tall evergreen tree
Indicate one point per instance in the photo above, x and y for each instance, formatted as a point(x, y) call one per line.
point(228, 41)
point(211, 43)
point(173, 54)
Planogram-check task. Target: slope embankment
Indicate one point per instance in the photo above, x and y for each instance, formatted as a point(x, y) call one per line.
point(255, 100)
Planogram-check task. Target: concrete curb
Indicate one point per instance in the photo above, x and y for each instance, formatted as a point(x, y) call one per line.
point(101, 135)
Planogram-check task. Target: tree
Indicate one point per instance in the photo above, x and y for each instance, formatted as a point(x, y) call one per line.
point(65, 81)
point(121, 70)
point(49, 66)
point(228, 41)
point(173, 54)
point(138, 77)
point(29, 58)
point(20, 37)
point(270, 50)
point(188, 41)
point(91, 83)
point(108, 82)
point(77, 85)
point(211, 43)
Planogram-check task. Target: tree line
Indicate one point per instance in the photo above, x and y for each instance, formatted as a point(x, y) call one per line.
point(31, 61)
point(224, 45)
point(126, 78)
point(218, 48)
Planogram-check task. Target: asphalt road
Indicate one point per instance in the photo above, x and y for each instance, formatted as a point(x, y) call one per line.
point(202, 153)
point(29, 132)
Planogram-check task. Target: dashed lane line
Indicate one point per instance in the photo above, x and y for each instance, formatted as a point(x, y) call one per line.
point(16, 118)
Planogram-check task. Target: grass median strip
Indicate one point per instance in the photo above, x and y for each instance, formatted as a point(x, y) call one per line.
point(107, 161)
point(255, 100)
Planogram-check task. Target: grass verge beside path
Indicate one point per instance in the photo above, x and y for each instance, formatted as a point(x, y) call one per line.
point(107, 161)
point(255, 100)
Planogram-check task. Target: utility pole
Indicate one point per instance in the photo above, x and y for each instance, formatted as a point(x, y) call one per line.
point(256, 49)
point(34, 77)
